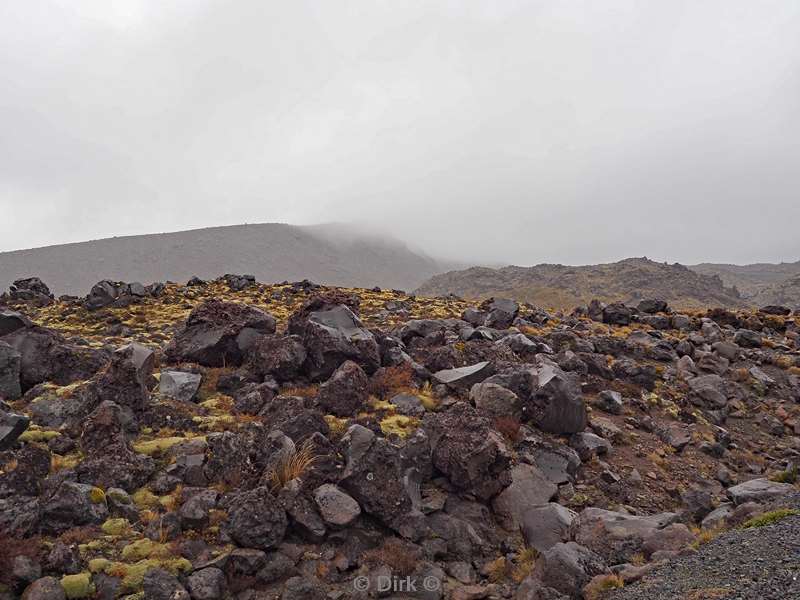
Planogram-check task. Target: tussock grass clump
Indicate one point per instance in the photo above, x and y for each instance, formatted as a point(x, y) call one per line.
point(292, 465)
point(601, 585)
point(768, 518)
point(787, 476)
point(400, 556)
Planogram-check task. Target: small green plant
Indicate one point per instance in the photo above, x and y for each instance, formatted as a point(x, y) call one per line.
point(768, 518)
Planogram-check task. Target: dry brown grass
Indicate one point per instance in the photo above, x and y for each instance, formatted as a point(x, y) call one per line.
point(292, 465)
point(601, 585)
point(498, 570)
point(389, 381)
point(509, 428)
point(400, 556)
point(303, 391)
point(524, 563)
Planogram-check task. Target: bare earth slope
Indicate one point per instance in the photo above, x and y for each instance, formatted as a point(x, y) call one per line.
point(561, 286)
point(328, 254)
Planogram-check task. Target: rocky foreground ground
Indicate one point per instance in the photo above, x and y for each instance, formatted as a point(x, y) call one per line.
point(230, 439)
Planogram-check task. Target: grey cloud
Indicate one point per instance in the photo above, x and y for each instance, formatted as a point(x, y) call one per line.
point(519, 132)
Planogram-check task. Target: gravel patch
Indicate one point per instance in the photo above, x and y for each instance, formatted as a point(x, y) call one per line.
point(758, 563)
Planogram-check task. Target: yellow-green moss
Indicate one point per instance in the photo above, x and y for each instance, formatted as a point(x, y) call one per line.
point(399, 424)
point(78, 586)
point(768, 518)
point(116, 527)
point(157, 447)
point(141, 549)
point(38, 435)
point(97, 496)
point(133, 575)
point(96, 565)
point(144, 498)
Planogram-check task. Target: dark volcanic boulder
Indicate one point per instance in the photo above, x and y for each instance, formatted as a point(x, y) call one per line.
point(502, 312)
point(468, 451)
point(256, 520)
point(617, 314)
point(71, 505)
point(10, 361)
point(46, 355)
point(568, 568)
point(463, 378)
point(31, 290)
point(278, 356)
point(219, 334)
point(652, 306)
point(332, 335)
point(11, 427)
point(558, 405)
point(345, 393)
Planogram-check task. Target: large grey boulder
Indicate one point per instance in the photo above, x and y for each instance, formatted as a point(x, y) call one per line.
point(218, 334)
point(256, 520)
point(617, 536)
point(332, 334)
point(179, 385)
point(529, 488)
point(335, 506)
point(495, 400)
point(207, 584)
point(162, 585)
point(278, 356)
point(345, 393)
point(558, 405)
point(11, 427)
point(758, 490)
point(568, 567)
point(10, 362)
point(46, 588)
point(463, 378)
point(546, 525)
point(502, 313)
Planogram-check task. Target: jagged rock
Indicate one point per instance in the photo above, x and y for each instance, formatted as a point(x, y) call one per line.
point(616, 536)
point(237, 283)
point(281, 357)
point(495, 400)
point(617, 314)
point(501, 313)
point(568, 567)
point(718, 517)
point(758, 490)
point(10, 361)
point(748, 339)
point(194, 513)
point(207, 584)
point(463, 378)
point(558, 405)
point(161, 585)
point(31, 290)
point(179, 385)
point(219, 333)
point(332, 334)
point(671, 538)
point(652, 306)
point(46, 588)
point(11, 427)
point(709, 390)
point(408, 404)
point(528, 488)
point(610, 402)
point(336, 507)
point(533, 589)
point(255, 520)
point(588, 445)
point(143, 359)
point(301, 588)
point(546, 525)
point(468, 451)
point(345, 393)
point(45, 356)
point(71, 505)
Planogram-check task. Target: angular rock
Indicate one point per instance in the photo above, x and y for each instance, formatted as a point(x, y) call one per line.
point(502, 313)
point(588, 445)
point(46, 588)
point(558, 405)
point(255, 520)
point(207, 584)
point(332, 334)
point(11, 427)
point(758, 490)
point(529, 488)
point(10, 364)
point(161, 585)
point(495, 400)
point(546, 525)
point(610, 402)
point(281, 357)
point(568, 567)
point(71, 505)
point(345, 393)
point(219, 334)
point(468, 451)
point(335, 506)
point(179, 385)
point(463, 378)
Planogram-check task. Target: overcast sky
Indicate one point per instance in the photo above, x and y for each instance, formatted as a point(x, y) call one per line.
point(502, 131)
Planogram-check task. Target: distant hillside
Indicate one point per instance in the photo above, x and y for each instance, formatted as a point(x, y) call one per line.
point(560, 286)
point(752, 280)
point(785, 293)
point(272, 252)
